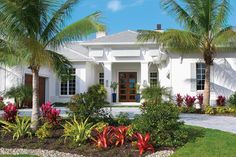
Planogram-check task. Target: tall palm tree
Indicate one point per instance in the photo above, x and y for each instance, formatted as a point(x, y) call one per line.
point(205, 31)
point(39, 27)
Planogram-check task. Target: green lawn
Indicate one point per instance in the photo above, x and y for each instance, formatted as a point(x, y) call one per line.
point(212, 143)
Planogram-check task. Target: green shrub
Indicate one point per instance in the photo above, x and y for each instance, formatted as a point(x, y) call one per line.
point(232, 99)
point(78, 131)
point(156, 94)
point(123, 119)
point(162, 121)
point(89, 104)
point(45, 131)
point(209, 110)
point(20, 94)
point(185, 109)
point(221, 109)
point(1, 105)
point(20, 128)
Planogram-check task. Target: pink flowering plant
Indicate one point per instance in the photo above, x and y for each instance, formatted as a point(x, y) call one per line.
point(200, 99)
point(220, 101)
point(189, 100)
point(179, 100)
point(50, 114)
point(10, 112)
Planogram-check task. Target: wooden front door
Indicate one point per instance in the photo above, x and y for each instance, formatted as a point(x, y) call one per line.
point(28, 82)
point(127, 82)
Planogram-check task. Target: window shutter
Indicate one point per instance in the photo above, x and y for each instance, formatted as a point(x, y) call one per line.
point(57, 87)
point(193, 77)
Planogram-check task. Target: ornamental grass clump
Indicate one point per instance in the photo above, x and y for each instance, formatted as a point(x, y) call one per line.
point(50, 114)
point(10, 112)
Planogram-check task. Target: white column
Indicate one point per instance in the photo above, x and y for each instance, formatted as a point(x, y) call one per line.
point(144, 74)
point(107, 79)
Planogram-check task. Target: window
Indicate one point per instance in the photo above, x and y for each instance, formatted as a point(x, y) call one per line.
point(101, 78)
point(68, 86)
point(153, 79)
point(200, 73)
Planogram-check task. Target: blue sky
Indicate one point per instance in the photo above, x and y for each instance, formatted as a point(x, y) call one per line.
point(121, 15)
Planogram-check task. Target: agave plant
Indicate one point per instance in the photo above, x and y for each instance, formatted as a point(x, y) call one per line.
point(142, 143)
point(20, 128)
point(78, 131)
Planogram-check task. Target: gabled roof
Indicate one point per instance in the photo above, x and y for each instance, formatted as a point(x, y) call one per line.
point(126, 37)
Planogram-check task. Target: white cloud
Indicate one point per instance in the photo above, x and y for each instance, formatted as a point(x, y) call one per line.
point(114, 5)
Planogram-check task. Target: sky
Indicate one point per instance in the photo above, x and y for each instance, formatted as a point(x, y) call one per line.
point(122, 15)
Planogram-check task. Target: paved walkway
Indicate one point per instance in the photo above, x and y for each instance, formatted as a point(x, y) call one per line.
point(224, 123)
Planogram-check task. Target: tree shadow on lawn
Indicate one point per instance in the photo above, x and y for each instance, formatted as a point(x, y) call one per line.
point(194, 132)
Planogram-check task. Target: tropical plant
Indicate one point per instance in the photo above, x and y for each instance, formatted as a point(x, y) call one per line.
point(20, 128)
point(44, 131)
point(20, 93)
point(209, 110)
point(2, 104)
point(89, 104)
point(143, 143)
point(114, 86)
point(189, 100)
point(78, 131)
point(123, 119)
point(205, 31)
point(103, 139)
point(156, 94)
point(200, 99)
point(220, 101)
point(50, 114)
point(10, 112)
point(37, 28)
point(179, 100)
point(163, 123)
point(232, 99)
point(120, 134)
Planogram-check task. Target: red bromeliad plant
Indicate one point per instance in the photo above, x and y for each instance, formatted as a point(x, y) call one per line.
point(50, 114)
point(189, 101)
point(179, 100)
point(103, 139)
point(10, 112)
point(120, 135)
point(142, 143)
point(200, 99)
point(220, 101)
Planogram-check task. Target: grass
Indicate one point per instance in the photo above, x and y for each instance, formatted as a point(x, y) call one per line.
point(212, 143)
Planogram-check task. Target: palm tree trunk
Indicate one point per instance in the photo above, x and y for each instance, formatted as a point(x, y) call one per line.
point(206, 94)
point(35, 100)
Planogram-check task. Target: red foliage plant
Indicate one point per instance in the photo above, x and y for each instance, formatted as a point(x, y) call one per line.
point(1, 99)
point(179, 100)
point(200, 99)
point(142, 143)
point(120, 135)
point(220, 101)
point(10, 112)
point(50, 114)
point(103, 139)
point(189, 101)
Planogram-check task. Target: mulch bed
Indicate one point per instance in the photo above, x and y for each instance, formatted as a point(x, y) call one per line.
point(56, 142)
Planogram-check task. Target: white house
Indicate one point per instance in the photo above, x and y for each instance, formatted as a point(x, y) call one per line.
point(120, 58)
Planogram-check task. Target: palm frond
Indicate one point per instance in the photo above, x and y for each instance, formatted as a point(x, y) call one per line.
point(59, 64)
point(149, 35)
point(78, 30)
point(55, 23)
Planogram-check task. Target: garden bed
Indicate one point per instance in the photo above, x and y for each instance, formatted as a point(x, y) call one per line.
point(57, 143)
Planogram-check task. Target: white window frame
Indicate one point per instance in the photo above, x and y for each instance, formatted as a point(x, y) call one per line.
point(68, 85)
point(201, 76)
point(153, 78)
point(101, 78)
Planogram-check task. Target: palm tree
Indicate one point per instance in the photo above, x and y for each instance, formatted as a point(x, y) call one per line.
point(205, 31)
point(39, 27)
